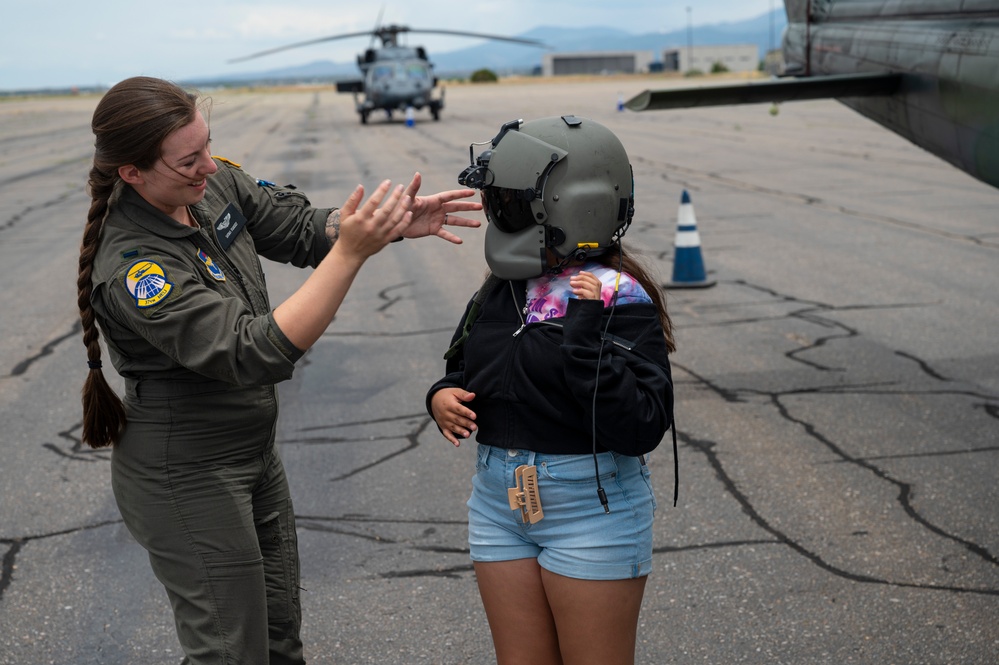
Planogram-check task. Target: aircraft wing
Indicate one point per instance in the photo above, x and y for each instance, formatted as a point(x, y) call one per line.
point(777, 90)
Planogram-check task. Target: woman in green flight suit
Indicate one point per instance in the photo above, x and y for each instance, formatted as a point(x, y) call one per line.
point(169, 269)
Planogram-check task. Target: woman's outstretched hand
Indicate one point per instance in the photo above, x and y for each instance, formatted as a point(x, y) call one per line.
point(431, 214)
point(364, 229)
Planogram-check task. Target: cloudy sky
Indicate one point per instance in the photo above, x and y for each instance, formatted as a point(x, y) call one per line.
point(57, 43)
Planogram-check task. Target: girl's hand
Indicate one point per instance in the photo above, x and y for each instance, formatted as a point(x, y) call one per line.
point(454, 419)
point(585, 285)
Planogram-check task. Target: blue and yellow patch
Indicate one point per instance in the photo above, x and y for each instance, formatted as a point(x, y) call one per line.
point(213, 269)
point(147, 282)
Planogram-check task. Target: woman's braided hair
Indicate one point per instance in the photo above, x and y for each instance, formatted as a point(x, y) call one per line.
point(130, 124)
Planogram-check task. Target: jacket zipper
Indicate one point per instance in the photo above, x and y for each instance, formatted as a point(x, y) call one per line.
point(520, 312)
point(523, 324)
point(232, 268)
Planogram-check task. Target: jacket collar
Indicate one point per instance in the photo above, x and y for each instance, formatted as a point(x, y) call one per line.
point(143, 214)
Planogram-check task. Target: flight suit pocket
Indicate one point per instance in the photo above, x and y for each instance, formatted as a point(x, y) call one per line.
point(279, 547)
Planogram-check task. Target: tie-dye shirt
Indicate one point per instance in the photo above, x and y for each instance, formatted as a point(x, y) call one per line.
point(548, 297)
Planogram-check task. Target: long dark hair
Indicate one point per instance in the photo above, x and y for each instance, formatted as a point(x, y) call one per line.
point(130, 124)
point(620, 259)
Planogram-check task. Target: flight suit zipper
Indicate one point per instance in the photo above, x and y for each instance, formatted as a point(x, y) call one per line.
point(229, 265)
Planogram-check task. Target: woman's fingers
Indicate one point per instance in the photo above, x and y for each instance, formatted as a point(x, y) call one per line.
point(371, 205)
point(350, 205)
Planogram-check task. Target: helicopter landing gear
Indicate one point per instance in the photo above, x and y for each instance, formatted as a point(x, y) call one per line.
point(435, 111)
point(364, 117)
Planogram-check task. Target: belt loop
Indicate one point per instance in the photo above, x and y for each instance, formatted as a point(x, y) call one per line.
point(530, 457)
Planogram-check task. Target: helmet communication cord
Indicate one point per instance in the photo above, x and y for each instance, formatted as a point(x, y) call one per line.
point(596, 382)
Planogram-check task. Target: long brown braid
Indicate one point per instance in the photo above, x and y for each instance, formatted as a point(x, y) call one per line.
point(130, 124)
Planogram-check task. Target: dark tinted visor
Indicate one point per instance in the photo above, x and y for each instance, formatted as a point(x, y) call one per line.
point(508, 209)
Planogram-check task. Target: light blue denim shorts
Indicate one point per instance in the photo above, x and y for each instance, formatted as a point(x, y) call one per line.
point(576, 538)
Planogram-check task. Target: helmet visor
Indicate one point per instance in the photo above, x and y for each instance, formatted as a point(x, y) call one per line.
point(509, 210)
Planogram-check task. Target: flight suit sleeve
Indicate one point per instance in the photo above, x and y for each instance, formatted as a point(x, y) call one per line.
point(282, 221)
point(164, 303)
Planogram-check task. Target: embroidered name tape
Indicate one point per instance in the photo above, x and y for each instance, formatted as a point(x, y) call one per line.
point(228, 225)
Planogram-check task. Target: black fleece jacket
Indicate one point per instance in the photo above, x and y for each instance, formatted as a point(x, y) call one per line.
point(534, 389)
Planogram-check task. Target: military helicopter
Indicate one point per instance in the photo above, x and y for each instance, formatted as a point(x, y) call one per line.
point(927, 70)
point(393, 77)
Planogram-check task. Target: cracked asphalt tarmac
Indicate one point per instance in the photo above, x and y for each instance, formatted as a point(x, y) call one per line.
point(837, 392)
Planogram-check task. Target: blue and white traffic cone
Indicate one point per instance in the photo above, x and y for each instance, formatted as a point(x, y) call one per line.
point(410, 119)
point(688, 264)
point(620, 102)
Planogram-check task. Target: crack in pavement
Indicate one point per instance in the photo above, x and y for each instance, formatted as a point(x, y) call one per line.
point(777, 399)
point(904, 489)
point(810, 315)
point(77, 450)
point(22, 367)
point(707, 448)
point(411, 437)
point(389, 301)
point(9, 563)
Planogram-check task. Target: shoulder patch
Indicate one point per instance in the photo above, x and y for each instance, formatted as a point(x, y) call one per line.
point(227, 161)
point(147, 282)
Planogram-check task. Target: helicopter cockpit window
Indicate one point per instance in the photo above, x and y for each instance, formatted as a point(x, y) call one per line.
point(417, 72)
point(382, 72)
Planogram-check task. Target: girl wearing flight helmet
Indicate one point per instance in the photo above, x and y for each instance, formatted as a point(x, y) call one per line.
point(560, 368)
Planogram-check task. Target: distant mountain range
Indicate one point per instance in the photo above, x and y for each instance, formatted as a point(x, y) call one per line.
point(505, 58)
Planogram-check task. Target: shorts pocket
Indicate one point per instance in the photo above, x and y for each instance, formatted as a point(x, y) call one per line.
point(482, 457)
point(577, 468)
point(647, 477)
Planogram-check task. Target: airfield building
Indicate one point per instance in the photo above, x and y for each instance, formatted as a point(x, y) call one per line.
point(596, 62)
point(736, 57)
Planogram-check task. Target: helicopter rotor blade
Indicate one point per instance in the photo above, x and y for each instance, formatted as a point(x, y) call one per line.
point(463, 33)
point(320, 40)
point(388, 36)
point(378, 26)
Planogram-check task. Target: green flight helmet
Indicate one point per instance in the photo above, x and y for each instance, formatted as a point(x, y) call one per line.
point(562, 183)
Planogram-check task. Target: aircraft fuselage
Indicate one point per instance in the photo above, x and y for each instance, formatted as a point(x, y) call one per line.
point(948, 98)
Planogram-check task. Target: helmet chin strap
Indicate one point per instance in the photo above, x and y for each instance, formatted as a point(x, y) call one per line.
point(578, 255)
